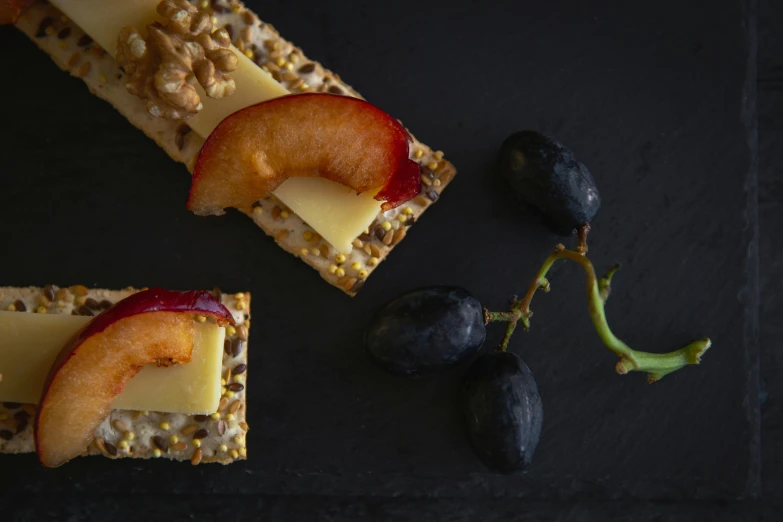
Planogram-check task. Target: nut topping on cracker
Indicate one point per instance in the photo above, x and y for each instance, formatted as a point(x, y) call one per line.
point(160, 67)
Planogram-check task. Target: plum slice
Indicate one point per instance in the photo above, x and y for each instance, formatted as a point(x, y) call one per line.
point(152, 326)
point(11, 9)
point(343, 139)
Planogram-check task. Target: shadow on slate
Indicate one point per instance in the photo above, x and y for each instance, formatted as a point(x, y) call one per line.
point(651, 102)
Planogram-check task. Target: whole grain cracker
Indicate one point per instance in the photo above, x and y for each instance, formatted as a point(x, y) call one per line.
point(288, 64)
point(225, 440)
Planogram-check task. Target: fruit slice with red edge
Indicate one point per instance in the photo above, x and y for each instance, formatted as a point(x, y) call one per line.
point(152, 326)
point(343, 139)
point(11, 9)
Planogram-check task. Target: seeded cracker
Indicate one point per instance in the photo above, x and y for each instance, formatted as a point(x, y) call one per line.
point(198, 438)
point(73, 51)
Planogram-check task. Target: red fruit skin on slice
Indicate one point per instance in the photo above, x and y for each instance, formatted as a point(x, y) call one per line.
point(151, 300)
point(403, 186)
point(11, 9)
point(158, 300)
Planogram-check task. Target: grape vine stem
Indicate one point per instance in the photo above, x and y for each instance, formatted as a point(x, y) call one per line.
point(657, 365)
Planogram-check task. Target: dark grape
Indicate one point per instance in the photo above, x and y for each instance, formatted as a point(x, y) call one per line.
point(503, 411)
point(546, 176)
point(425, 330)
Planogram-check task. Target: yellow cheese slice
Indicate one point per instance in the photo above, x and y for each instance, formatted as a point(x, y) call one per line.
point(103, 20)
point(29, 344)
point(254, 85)
point(335, 212)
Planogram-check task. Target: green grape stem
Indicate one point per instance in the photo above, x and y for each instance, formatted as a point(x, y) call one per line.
point(657, 365)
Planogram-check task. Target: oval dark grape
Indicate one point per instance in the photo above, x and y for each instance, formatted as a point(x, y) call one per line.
point(426, 330)
point(546, 176)
point(503, 411)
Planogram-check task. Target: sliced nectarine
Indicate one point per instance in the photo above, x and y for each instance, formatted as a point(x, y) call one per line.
point(11, 9)
point(343, 139)
point(95, 365)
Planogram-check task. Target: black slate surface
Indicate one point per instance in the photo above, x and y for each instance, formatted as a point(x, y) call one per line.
point(350, 509)
point(770, 122)
point(659, 106)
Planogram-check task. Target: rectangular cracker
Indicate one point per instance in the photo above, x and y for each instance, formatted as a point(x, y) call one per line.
point(74, 52)
point(16, 420)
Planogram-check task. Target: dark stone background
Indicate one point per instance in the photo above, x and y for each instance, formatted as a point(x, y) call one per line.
point(671, 104)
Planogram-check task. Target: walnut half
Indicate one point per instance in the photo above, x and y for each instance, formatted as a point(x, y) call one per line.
point(160, 68)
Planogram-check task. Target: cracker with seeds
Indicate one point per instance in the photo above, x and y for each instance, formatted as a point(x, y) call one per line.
point(219, 437)
point(76, 53)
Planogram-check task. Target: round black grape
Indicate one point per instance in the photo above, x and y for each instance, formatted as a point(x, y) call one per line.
point(546, 176)
point(426, 330)
point(503, 411)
